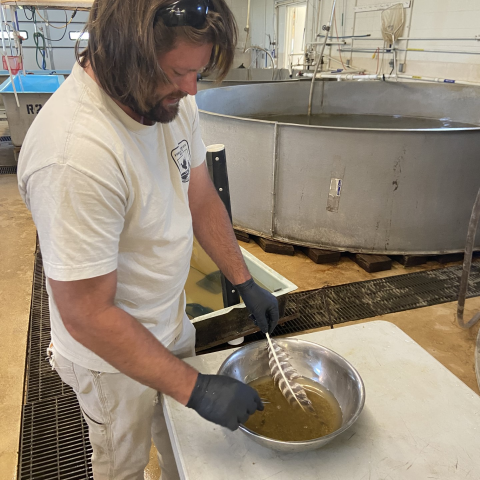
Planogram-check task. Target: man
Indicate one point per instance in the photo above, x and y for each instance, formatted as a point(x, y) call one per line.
point(113, 171)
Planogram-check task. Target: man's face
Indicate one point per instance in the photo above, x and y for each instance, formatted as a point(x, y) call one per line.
point(181, 65)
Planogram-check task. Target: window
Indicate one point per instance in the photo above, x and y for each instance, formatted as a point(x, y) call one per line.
point(76, 35)
point(22, 34)
point(295, 35)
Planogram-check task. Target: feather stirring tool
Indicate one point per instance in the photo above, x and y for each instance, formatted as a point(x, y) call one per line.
point(285, 375)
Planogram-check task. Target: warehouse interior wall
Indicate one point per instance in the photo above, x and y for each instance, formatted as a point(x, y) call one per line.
point(425, 19)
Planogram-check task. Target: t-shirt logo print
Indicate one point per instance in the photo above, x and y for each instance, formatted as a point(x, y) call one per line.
point(183, 160)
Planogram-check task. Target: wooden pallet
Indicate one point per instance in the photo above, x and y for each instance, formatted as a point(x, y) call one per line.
point(372, 263)
point(410, 260)
point(452, 257)
point(242, 236)
point(322, 256)
point(270, 246)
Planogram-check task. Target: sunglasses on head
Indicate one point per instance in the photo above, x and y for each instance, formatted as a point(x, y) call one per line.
point(184, 13)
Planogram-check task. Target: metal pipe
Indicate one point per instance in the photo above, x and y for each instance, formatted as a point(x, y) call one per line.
point(477, 359)
point(414, 39)
point(467, 266)
point(49, 36)
point(247, 27)
point(255, 47)
point(312, 86)
point(409, 30)
point(350, 67)
point(12, 78)
point(348, 76)
point(341, 77)
point(353, 29)
point(420, 50)
point(275, 178)
point(439, 80)
point(343, 36)
point(329, 42)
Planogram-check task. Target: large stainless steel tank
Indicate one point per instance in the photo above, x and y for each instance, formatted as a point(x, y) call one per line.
point(362, 190)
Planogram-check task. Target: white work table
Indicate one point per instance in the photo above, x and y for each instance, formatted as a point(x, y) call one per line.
point(419, 421)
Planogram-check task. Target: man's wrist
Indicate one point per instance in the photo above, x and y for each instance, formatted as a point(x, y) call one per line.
point(241, 279)
point(189, 387)
point(244, 285)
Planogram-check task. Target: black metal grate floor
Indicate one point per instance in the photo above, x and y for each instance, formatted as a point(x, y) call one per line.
point(8, 170)
point(357, 301)
point(54, 440)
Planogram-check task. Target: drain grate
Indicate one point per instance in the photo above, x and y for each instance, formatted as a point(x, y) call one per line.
point(357, 301)
point(54, 440)
point(8, 170)
point(5, 138)
point(43, 382)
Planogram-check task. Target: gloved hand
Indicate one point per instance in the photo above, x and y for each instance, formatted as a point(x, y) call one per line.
point(261, 304)
point(224, 400)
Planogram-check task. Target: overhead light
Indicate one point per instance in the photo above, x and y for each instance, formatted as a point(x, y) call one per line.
point(22, 34)
point(79, 35)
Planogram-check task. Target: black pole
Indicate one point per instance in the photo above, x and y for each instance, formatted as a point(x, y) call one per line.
point(217, 167)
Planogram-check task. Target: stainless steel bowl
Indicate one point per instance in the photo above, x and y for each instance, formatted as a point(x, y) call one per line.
point(312, 361)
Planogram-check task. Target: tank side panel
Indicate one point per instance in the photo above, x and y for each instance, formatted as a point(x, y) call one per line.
point(378, 192)
point(250, 159)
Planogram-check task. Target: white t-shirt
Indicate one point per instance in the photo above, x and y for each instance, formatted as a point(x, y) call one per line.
point(107, 193)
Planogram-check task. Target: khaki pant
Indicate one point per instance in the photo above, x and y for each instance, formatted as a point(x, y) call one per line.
point(123, 415)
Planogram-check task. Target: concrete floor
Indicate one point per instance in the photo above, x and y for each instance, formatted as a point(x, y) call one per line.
point(17, 249)
point(433, 328)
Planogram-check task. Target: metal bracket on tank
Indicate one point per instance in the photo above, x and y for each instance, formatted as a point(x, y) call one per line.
point(217, 168)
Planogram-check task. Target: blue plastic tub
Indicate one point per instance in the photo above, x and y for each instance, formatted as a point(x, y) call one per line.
point(33, 84)
point(33, 92)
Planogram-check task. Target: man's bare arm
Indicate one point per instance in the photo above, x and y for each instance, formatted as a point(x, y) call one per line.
point(213, 228)
point(90, 316)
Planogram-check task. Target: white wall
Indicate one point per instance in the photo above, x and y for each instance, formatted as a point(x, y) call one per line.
point(239, 9)
point(429, 18)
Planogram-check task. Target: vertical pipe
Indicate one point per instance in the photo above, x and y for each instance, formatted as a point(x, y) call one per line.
point(18, 43)
point(477, 359)
point(353, 30)
point(247, 27)
point(8, 26)
point(274, 179)
point(327, 31)
point(49, 36)
point(217, 166)
point(12, 79)
point(467, 265)
point(408, 36)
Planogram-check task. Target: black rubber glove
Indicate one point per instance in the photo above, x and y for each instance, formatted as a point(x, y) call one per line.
point(261, 304)
point(224, 400)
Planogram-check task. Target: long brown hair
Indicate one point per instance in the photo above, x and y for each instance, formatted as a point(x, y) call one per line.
point(124, 46)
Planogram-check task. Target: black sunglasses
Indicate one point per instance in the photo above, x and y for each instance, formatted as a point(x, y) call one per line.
point(184, 13)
